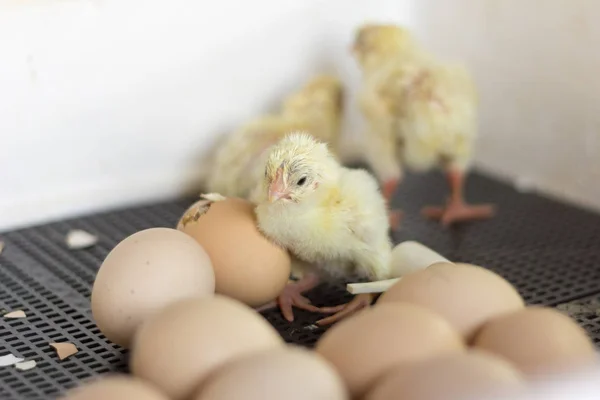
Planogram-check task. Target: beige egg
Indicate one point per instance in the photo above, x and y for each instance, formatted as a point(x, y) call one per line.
point(451, 377)
point(466, 295)
point(366, 346)
point(142, 274)
point(289, 373)
point(248, 267)
point(115, 387)
point(538, 340)
point(181, 345)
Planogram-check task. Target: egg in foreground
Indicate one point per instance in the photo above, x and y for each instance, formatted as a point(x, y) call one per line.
point(115, 387)
point(365, 346)
point(144, 273)
point(450, 377)
point(290, 373)
point(181, 345)
point(467, 296)
point(538, 340)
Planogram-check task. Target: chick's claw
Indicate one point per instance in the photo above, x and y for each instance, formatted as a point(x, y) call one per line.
point(459, 212)
point(358, 303)
point(292, 297)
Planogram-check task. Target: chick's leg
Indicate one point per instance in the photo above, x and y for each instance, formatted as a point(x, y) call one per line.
point(389, 189)
point(382, 157)
point(358, 303)
point(456, 209)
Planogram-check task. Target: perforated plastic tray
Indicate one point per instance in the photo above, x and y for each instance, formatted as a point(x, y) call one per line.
point(548, 250)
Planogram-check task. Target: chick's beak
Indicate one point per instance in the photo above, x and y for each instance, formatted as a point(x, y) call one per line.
point(277, 188)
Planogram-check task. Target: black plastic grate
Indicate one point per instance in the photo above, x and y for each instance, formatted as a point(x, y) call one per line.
point(546, 249)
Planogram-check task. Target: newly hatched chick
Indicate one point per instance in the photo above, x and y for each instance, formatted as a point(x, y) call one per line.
point(332, 218)
point(237, 166)
point(420, 112)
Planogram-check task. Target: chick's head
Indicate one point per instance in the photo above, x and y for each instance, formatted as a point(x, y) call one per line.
point(375, 42)
point(296, 166)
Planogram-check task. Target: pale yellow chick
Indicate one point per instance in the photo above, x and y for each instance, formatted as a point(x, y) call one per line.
point(332, 218)
point(421, 113)
point(238, 165)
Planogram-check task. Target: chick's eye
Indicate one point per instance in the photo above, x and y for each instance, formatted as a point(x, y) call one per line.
point(301, 181)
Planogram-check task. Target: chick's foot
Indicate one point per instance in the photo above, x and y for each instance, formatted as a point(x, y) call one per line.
point(292, 296)
point(357, 303)
point(459, 212)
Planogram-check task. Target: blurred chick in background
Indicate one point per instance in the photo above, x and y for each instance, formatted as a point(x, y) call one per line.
point(419, 112)
point(333, 219)
point(238, 164)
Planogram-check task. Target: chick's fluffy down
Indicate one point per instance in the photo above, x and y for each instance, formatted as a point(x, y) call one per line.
point(340, 226)
point(421, 112)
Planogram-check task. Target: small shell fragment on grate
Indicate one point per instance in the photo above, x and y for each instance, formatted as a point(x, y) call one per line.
point(25, 365)
point(15, 314)
point(9, 359)
point(64, 349)
point(80, 239)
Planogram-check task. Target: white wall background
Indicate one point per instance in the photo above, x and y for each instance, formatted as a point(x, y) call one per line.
point(105, 103)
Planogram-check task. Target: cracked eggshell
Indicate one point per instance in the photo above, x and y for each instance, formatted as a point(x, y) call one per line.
point(248, 267)
point(183, 344)
point(144, 273)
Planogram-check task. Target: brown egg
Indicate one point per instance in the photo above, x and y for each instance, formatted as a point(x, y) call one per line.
point(115, 387)
point(451, 377)
point(288, 373)
point(538, 340)
point(181, 345)
point(466, 295)
point(367, 345)
point(145, 272)
point(248, 267)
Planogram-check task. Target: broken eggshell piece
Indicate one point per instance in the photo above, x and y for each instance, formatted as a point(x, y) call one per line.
point(26, 365)
point(15, 314)
point(64, 349)
point(80, 239)
point(9, 359)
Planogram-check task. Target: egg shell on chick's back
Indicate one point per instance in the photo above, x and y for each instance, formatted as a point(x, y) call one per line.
point(248, 267)
point(465, 295)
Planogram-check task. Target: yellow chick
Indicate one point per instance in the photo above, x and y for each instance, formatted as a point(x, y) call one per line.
point(238, 163)
point(332, 218)
point(420, 113)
